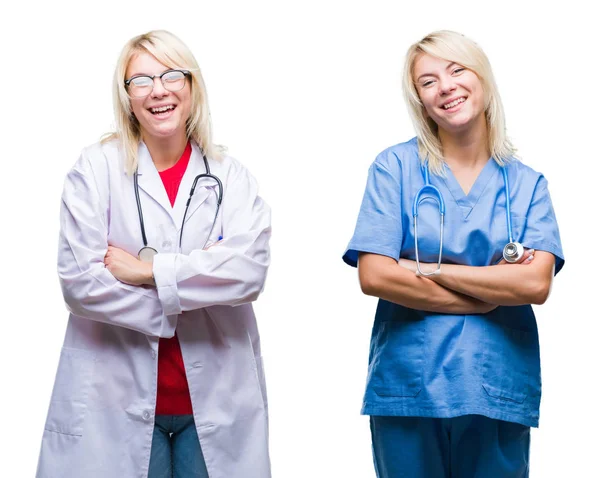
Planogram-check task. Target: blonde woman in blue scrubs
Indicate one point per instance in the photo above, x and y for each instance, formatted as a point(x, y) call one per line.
point(454, 371)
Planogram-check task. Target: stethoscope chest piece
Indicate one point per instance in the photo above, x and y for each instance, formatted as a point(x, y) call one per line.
point(513, 252)
point(147, 254)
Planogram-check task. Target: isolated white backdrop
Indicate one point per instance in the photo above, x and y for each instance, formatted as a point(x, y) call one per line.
point(305, 94)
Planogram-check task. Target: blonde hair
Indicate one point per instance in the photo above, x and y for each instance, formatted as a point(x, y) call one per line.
point(173, 53)
point(454, 47)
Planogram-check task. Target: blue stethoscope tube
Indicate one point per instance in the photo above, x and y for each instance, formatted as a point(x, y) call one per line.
point(512, 252)
point(147, 253)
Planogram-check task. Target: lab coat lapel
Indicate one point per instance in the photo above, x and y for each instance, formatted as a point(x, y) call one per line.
point(150, 182)
point(194, 168)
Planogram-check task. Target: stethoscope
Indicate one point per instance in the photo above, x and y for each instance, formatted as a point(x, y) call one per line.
point(147, 253)
point(512, 252)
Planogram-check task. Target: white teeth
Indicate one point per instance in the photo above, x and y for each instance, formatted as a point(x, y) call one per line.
point(454, 103)
point(162, 109)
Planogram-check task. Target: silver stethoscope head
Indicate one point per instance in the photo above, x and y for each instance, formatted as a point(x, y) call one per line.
point(147, 253)
point(513, 252)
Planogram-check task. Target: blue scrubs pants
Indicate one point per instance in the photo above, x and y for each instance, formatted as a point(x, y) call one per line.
point(176, 451)
point(470, 446)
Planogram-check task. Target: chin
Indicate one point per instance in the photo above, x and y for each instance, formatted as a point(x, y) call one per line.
point(163, 131)
point(458, 125)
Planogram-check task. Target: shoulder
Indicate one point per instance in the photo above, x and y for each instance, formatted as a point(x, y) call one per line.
point(398, 157)
point(229, 163)
point(230, 169)
point(522, 174)
point(101, 156)
point(96, 164)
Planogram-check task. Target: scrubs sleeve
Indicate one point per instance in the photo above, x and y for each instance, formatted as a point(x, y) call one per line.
point(379, 225)
point(541, 228)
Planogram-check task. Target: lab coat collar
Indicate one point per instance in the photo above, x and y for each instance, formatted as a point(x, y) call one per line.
point(150, 182)
point(204, 187)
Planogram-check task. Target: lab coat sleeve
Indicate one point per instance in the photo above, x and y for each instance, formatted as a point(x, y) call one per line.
point(379, 225)
point(89, 289)
point(541, 228)
point(233, 271)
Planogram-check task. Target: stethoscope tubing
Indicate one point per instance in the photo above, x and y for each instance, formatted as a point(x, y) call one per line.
point(187, 205)
point(136, 187)
point(428, 188)
point(508, 213)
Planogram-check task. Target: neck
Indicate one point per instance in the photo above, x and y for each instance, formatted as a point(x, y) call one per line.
point(165, 152)
point(466, 149)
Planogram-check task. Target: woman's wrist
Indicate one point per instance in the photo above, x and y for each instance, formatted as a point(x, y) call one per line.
point(149, 274)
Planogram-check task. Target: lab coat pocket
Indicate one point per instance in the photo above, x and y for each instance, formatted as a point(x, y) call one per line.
point(511, 368)
point(70, 394)
point(397, 364)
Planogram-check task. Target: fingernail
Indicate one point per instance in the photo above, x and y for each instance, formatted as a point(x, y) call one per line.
point(530, 258)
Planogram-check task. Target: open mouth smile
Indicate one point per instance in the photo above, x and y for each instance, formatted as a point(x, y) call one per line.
point(454, 103)
point(162, 111)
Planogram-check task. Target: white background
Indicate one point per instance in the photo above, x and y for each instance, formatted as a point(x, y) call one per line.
point(305, 94)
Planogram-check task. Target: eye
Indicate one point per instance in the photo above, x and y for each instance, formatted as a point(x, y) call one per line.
point(427, 83)
point(458, 71)
point(141, 81)
point(172, 76)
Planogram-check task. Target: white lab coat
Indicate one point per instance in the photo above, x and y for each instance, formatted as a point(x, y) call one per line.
point(101, 415)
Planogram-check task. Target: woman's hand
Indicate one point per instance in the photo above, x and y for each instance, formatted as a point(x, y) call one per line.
point(127, 268)
point(503, 283)
point(527, 258)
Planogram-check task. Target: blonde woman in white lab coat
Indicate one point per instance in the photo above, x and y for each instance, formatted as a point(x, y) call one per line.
point(191, 298)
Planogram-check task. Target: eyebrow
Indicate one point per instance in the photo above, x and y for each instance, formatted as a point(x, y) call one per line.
point(148, 74)
point(450, 65)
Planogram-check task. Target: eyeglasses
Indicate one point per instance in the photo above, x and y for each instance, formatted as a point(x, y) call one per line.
point(142, 85)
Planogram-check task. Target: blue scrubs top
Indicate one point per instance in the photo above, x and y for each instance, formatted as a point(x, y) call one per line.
point(444, 365)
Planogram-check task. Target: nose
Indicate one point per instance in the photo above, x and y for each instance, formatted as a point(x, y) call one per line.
point(446, 84)
point(159, 90)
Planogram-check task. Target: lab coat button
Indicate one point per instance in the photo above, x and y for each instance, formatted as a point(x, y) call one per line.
point(153, 353)
point(166, 244)
point(146, 415)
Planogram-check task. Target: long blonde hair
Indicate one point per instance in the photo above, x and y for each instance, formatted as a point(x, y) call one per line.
point(173, 53)
point(454, 47)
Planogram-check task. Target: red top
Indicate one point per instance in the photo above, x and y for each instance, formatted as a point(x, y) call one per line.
point(173, 394)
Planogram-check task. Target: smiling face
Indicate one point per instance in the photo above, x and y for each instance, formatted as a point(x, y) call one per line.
point(452, 95)
point(162, 114)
